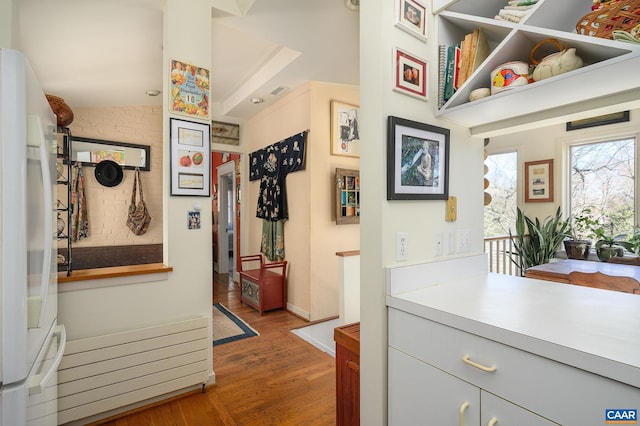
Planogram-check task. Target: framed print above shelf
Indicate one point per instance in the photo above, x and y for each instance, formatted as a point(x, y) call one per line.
point(190, 158)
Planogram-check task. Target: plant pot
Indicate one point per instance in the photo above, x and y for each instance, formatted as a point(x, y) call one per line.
point(605, 253)
point(577, 249)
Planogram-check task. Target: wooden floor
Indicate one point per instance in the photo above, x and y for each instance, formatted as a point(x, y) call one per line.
point(275, 378)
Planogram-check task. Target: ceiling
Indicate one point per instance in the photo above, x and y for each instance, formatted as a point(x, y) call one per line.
point(109, 53)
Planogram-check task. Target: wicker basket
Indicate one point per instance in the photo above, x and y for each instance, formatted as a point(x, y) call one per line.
point(614, 15)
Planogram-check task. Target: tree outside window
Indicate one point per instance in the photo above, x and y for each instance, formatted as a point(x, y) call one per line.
point(502, 174)
point(602, 179)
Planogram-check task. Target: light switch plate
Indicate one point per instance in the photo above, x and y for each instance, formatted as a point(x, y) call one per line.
point(452, 209)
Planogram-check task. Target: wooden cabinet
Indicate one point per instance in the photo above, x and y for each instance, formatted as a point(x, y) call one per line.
point(264, 286)
point(347, 338)
point(347, 196)
point(441, 375)
point(509, 41)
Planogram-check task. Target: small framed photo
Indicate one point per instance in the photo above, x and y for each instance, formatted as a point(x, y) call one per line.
point(417, 160)
point(411, 17)
point(538, 181)
point(190, 158)
point(410, 74)
point(345, 131)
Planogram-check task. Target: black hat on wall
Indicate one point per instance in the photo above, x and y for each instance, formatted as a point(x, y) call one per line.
point(108, 173)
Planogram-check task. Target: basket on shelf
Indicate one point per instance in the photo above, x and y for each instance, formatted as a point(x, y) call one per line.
point(614, 15)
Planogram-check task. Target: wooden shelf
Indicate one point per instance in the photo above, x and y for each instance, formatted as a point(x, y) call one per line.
point(113, 272)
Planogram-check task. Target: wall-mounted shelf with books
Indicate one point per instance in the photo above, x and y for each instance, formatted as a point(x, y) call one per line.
point(610, 67)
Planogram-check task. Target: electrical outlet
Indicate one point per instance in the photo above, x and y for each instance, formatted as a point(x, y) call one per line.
point(438, 244)
point(402, 246)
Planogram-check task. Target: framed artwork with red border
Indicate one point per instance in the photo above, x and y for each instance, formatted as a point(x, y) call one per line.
point(410, 74)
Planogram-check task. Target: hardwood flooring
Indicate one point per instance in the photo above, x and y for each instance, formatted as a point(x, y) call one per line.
point(275, 378)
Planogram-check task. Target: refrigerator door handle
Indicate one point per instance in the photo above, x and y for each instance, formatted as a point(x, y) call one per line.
point(37, 304)
point(38, 382)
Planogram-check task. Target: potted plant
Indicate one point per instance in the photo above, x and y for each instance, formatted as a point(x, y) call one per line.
point(578, 245)
point(536, 242)
point(609, 245)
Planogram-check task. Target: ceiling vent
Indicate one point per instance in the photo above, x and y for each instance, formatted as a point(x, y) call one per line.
point(278, 91)
point(352, 4)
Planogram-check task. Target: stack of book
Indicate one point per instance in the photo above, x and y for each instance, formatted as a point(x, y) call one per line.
point(459, 61)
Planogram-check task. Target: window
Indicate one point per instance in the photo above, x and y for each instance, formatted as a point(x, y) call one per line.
point(602, 178)
point(502, 174)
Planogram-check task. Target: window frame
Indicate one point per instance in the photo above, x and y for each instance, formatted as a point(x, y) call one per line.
point(590, 136)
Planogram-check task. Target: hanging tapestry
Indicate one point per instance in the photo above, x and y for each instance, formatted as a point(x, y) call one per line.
point(271, 165)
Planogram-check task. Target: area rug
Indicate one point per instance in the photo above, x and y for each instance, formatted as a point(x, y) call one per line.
point(227, 327)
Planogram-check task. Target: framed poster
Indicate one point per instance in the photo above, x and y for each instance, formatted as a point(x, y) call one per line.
point(189, 90)
point(417, 160)
point(538, 181)
point(411, 17)
point(345, 133)
point(190, 158)
point(410, 74)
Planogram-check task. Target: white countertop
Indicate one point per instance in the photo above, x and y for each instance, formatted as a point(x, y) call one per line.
point(592, 329)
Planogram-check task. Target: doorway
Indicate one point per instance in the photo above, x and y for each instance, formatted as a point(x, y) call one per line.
point(226, 227)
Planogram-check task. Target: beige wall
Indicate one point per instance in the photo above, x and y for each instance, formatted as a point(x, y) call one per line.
point(551, 143)
point(311, 235)
point(108, 206)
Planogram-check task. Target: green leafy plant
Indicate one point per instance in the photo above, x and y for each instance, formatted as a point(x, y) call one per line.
point(608, 240)
point(582, 226)
point(536, 242)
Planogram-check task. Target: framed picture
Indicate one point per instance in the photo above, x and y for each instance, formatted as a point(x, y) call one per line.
point(226, 133)
point(411, 17)
point(189, 90)
point(417, 160)
point(538, 181)
point(410, 74)
point(601, 120)
point(345, 133)
point(190, 158)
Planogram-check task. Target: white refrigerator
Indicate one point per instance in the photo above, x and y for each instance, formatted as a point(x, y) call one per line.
point(31, 341)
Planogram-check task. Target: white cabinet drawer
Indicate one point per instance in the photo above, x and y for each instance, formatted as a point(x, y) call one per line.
point(503, 413)
point(556, 391)
point(421, 395)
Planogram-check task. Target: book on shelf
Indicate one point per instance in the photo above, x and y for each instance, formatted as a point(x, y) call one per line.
point(453, 51)
point(474, 50)
point(442, 65)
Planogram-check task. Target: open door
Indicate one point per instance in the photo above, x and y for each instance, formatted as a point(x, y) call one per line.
point(226, 217)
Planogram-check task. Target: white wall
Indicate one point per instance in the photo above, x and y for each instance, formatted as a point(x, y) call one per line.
point(188, 290)
point(382, 219)
point(108, 206)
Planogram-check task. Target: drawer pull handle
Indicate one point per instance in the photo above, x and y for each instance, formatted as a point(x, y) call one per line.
point(352, 365)
point(463, 407)
point(492, 422)
point(467, 360)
